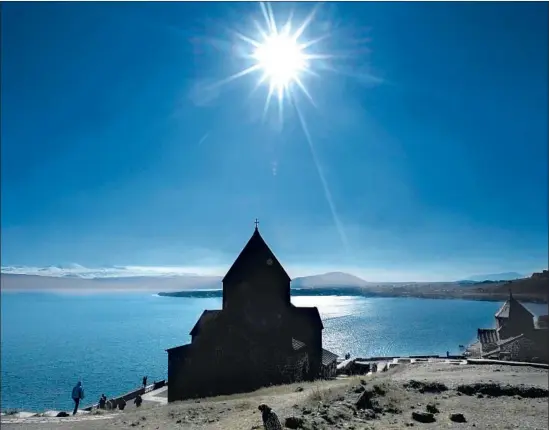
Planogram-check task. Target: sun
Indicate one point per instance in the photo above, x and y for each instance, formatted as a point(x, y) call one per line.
point(280, 55)
point(281, 60)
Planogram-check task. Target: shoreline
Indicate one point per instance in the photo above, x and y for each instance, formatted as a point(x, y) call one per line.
point(362, 292)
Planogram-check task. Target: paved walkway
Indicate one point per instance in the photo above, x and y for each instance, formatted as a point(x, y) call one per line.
point(157, 396)
point(49, 420)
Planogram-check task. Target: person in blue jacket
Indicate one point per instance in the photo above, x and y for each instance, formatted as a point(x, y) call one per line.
point(77, 395)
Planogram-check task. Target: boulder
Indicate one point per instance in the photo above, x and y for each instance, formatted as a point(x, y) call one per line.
point(432, 408)
point(458, 418)
point(294, 422)
point(423, 417)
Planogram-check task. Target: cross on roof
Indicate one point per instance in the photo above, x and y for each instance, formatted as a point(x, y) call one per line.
point(256, 222)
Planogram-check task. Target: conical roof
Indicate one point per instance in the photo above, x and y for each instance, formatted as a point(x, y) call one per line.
point(255, 252)
point(509, 307)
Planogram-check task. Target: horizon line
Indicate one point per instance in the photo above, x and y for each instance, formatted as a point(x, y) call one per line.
point(76, 271)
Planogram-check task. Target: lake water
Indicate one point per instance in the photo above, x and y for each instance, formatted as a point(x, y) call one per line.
point(110, 342)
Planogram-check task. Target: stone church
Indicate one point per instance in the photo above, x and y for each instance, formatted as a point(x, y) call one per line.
point(258, 338)
point(518, 335)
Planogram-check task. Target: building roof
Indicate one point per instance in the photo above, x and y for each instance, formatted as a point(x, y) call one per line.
point(487, 335)
point(206, 317)
point(297, 344)
point(256, 247)
point(178, 349)
point(307, 313)
point(508, 307)
point(504, 310)
point(500, 344)
point(328, 357)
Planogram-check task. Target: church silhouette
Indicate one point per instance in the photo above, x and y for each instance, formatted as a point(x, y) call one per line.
point(258, 338)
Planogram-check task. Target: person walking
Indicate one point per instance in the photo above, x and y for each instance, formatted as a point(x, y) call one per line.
point(144, 381)
point(102, 401)
point(77, 395)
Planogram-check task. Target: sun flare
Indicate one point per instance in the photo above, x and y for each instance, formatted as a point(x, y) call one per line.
point(281, 59)
point(280, 55)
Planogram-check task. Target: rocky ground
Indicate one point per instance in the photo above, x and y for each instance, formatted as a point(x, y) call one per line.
point(421, 395)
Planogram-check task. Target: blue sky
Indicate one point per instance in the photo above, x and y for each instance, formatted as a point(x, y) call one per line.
point(429, 132)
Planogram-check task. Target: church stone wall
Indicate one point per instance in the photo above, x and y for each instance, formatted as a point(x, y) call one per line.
point(221, 373)
point(526, 348)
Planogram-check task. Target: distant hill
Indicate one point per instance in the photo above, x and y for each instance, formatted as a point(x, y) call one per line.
point(534, 288)
point(507, 276)
point(332, 279)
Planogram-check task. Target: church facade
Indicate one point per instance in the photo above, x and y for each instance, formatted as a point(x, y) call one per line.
point(258, 338)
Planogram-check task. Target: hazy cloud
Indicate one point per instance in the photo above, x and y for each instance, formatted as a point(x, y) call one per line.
point(78, 271)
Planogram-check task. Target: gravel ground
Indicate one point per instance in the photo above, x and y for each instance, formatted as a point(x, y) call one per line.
point(333, 404)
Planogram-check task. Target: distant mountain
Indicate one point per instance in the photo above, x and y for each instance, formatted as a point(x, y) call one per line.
point(507, 276)
point(535, 285)
point(332, 279)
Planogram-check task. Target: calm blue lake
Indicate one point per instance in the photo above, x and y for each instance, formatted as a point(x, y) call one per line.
point(110, 342)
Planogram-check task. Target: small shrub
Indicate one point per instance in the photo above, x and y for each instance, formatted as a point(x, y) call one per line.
point(318, 395)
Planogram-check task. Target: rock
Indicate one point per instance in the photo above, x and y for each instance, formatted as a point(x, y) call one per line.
point(458, 418)
point(294, 422)
point(341, 412)
point(379, 390)
point(426, 387)
point(496, 390)
point(423, 417)
point(432, 408)
point(62, 415)
point(365, 400)
point(327, 417)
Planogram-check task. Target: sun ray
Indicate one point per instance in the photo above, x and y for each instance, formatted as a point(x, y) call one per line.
point(244, 72)
point(312, 42)
point(328, 195)
point(272, 19)
point(245, 38)
point(260, 30)
point(305, 91)
point(267, 101)
point(305, 24)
